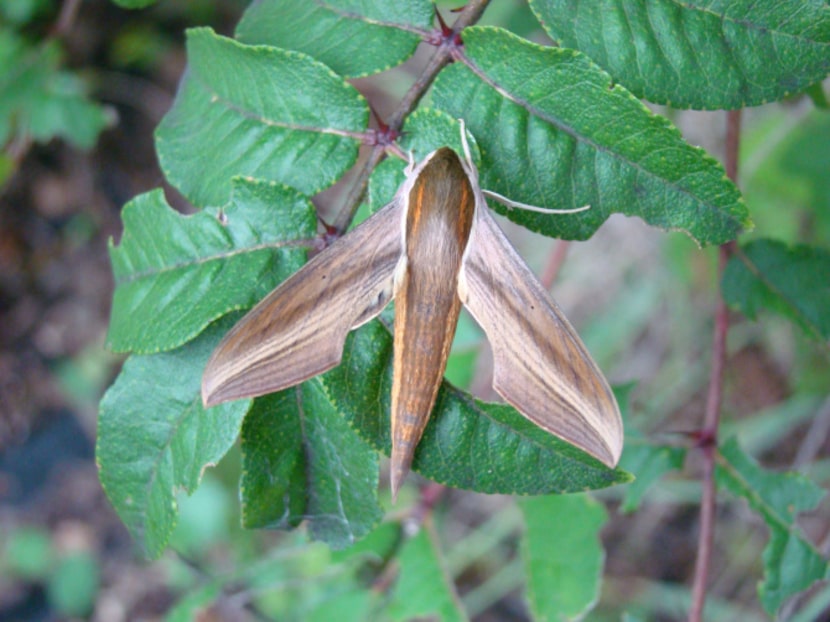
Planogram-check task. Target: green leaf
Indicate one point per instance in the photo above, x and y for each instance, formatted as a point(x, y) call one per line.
point(467, 443)
point(353, 37)
point(348, 603)
point(175, 274)
point(648, 463)
point(554, 131)
point(7, 167)
point(310, 587)
point(791, 281)
point(784, 175)
point(427, 129)
point(376, 549)
point(155, 438)
point(301, 461)
point(791, 562)
point(257, 111)
point(39, 101)
point(817, 95)
point(297, 581)
point(23, 11)
point(711, 55)
point(73, 587)
point(195, 603)
point(204, 518)
point(562, 555)
point(423, 590)
point(27, 553)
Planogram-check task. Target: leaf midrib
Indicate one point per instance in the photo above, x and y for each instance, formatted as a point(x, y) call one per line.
point(152, 272)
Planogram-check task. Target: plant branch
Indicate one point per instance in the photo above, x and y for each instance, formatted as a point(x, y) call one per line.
point(708, 438)
point(555, 261)
point(429, 497)
point(66, 18)
point(443, 55)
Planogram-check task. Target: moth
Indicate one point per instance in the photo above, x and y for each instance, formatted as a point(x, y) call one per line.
point(433, 248)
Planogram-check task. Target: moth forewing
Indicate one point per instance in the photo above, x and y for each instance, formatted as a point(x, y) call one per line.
point(541, 365)
point(299, 329)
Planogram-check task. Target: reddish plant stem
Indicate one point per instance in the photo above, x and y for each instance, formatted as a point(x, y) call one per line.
point(412, 523)
point(431, 495)
point(66, 18)
point(555, 261)
point(733, 143)
point(708, 438)
point(469, 15)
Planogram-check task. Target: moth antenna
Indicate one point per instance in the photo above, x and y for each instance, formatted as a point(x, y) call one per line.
point(467, 162)
point(411, 166)
point(464, 142)
point(503, 199)
point(533, 208)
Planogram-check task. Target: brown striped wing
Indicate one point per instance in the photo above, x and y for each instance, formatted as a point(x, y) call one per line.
point(299, 329)
point(541, 365)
